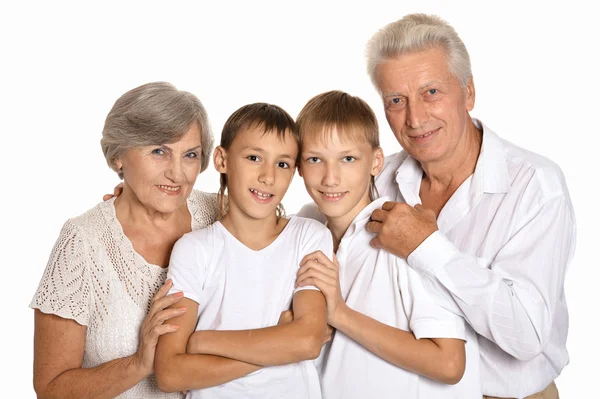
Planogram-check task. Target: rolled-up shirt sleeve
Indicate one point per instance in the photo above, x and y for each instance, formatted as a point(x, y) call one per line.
point(510, 301)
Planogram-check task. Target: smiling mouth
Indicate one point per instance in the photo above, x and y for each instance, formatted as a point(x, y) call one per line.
point(169, 189)
point(261, 195)
point(333, 196)
point(426, 134)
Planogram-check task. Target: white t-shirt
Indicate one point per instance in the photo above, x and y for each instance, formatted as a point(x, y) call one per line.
point(95, 277)
point(382, 286)
point(239, 288)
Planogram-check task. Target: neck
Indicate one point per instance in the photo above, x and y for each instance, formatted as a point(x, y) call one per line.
point(451, 172)
point(339, 225)
point(254, 233)
point(130, 209)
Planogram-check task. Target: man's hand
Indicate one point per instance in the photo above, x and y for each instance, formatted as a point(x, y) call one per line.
point(118, 191)
point(400, 228)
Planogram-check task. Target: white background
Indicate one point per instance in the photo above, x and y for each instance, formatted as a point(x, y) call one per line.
point(62, 65)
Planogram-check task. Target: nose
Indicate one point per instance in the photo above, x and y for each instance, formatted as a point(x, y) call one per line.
point(416, 114)
point(267, 175)
point(332, 176)
point(175, 170)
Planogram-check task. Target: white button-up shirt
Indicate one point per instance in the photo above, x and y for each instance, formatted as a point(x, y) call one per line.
point(499, 259)
point(382, 286)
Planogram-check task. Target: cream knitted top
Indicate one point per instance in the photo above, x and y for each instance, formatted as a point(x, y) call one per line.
point(95, 277)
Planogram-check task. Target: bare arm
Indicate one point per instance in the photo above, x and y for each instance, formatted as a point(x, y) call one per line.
point(287, 343)
point(440, 359)
point(58, 357)
point(59, 347)
point(177, 370)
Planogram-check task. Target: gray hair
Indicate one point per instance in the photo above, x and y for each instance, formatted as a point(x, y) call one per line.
point(153, 114)
point(418, 32)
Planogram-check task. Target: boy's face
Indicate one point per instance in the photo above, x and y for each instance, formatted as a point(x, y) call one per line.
point(337, 173)
point(259, 167)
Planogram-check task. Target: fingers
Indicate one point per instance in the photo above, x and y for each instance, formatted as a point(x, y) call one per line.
point(319, 257)
point(161, 316)
point(388, 205)
point(328, 270)
point(378, 215)
point(163, 290)
point(107, 197)
point(374, 227)
point(164, 302)
point(118, 190)
point(376, 243)
point(321, 273)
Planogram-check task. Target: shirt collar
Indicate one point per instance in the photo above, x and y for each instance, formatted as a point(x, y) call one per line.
point(364, 216)
point(490, 176)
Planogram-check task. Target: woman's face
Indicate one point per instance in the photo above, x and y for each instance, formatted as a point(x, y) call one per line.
point(161, 177)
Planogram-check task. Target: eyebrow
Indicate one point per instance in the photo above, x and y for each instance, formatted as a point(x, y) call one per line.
point(262, 151)
point(430, 83)
point(188, 150)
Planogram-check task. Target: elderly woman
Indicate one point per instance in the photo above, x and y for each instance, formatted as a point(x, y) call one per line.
point(100, 307)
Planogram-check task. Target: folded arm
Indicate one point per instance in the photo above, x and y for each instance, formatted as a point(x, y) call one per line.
point(287, 343)
point(177, 370)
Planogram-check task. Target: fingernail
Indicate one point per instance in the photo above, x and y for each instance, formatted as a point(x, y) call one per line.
point(169, 281)
point(183, 309)
point(180, 293)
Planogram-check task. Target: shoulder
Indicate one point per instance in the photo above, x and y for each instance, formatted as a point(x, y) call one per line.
point(532, 171)
point(204, 207)
point(92, 222)
point(308, 225)
point(311, 211)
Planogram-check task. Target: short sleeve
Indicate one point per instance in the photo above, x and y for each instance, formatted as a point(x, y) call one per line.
point(64, 289)
point(426, 318)
point(187, 269)
point(316, 237)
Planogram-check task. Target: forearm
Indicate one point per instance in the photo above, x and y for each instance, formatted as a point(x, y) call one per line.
point(194, 371)
point(105, 381)
point(401, 348)
point(270, 346)
point(508, 311)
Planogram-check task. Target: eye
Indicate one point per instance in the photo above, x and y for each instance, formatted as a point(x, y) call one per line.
point(158, 151)
point(283, 165)
point(191, 155)
point(395, 103)
point(349, 158)
point(253, 158)
point(313, 160)
point(432, 91)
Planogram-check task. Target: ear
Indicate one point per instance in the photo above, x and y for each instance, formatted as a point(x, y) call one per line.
point(469, 92)
point(300, 169)
point(220, 159)
point(378, 161)
point(118, 164)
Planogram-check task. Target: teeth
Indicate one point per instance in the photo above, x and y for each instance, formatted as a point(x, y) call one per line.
point(333, 195)
point(169, 188)
point(426, 134)
point(260, 194)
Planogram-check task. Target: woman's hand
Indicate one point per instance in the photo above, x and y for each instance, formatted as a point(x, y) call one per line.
point(316, 269)
point(153, 325)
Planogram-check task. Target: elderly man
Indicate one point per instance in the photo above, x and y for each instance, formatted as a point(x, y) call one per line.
point(488, 225)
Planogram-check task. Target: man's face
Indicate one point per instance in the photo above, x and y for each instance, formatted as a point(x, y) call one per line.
point(424, 104)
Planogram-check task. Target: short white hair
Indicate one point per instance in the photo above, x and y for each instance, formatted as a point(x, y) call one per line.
point(419, 32)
